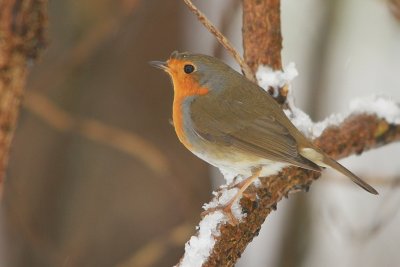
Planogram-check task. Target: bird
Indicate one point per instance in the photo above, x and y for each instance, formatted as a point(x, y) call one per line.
point(234, 124)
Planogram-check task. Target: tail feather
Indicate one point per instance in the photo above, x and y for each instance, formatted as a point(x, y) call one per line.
point(323, 160)
point(357, 180)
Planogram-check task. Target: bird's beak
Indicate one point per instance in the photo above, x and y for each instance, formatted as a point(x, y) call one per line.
point(159, 64)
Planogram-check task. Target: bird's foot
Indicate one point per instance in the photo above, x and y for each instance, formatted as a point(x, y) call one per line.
point(226, 209)
point(238, 185)
point(242, 186)
point(250, 195)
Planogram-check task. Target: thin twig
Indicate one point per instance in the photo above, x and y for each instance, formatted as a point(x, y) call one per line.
point(119, 139)
point(225, 23)
point(222, 39)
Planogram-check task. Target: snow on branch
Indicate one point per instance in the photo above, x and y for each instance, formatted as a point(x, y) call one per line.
point(379, 105)
point(370, 122)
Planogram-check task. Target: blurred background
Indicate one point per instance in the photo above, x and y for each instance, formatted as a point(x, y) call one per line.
point(97, 176)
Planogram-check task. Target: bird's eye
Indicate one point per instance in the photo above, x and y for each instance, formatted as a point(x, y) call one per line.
point(188, 68)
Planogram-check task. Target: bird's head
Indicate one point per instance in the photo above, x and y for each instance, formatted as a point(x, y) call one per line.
point(195, 74)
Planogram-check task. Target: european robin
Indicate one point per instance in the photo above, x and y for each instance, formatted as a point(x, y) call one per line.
point(235, 125)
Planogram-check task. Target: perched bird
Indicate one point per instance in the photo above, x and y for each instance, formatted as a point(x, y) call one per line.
point(235, 125)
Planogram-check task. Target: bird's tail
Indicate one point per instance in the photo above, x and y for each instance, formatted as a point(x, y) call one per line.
point(337, 166)
point(324, 161)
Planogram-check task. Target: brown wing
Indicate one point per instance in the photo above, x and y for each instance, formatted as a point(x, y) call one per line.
point(247, 119)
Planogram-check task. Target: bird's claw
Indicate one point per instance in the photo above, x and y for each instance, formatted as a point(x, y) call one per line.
point(226, 209)
point(250, 195)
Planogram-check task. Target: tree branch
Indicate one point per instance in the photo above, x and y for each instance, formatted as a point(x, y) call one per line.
point(262, 38)
point(262, 43)
point(22, 25)
point(356, 134)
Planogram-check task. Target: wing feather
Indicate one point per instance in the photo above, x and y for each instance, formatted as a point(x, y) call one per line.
point(248, 119)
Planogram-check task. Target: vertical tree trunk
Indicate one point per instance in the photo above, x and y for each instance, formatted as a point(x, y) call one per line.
point(22, 24)
point(262, 38)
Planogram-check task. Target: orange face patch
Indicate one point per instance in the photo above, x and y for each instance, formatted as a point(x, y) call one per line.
point(184, 84)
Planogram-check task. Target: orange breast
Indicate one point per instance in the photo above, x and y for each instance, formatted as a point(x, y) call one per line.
point(181, 92)
point(177, 115)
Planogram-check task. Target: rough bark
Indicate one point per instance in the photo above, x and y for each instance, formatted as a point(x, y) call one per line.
point(22, 24)
point(262, 38)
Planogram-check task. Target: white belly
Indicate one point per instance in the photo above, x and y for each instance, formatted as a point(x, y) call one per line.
point(236, 164)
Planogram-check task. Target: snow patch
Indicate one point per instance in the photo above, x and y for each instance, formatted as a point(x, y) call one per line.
point(222, 198)
point(230, 175)
point(381, 106)
point(268, 78)
point(332, 120)
point(301, 120)
point(198, 248)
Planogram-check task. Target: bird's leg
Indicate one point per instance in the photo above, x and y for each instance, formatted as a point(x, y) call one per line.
point(250, 195)
point(243, 185)
point(236, 185)
point(227, 208)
